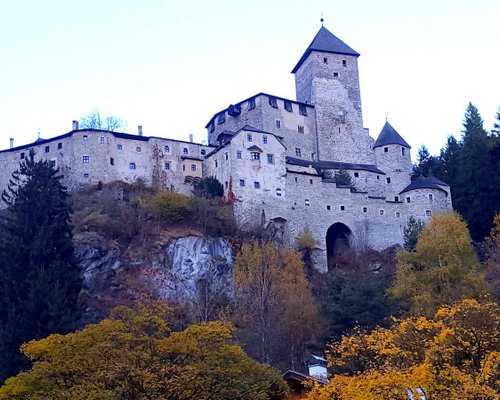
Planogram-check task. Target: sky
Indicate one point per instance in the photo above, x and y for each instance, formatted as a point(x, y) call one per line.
point(170, 65)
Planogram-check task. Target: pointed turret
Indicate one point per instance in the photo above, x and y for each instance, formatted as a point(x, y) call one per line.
point(326, 42)
point(389, 135)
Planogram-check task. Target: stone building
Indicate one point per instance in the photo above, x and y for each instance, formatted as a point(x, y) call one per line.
point(278, 157)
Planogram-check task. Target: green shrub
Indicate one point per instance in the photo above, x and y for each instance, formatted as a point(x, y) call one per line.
point(171, 206)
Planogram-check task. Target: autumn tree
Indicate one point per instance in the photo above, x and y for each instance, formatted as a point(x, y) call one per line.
point(94, 120)
point(443, 268)
point(455, 354)
point(276, 312)
point(493, 257)
point(39, 274)
point(135, 355)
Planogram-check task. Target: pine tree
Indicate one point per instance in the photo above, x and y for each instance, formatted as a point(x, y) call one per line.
point(39, 274)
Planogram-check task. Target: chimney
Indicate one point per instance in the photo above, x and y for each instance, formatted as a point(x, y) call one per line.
point(11, 142)
point(139, 129)
point(75, 125)
point(191, 137)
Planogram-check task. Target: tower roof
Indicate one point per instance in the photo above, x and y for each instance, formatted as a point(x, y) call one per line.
point(326, 42)
point(388, 135)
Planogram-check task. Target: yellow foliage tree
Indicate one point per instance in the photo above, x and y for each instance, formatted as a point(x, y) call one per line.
point(443, 268)
point(455, 355)
point(134, 355)
point(276, 309)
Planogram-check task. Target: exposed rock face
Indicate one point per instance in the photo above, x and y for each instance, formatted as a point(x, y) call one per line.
point(186, 270)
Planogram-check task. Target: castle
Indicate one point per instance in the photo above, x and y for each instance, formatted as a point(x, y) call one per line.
point(277, 157)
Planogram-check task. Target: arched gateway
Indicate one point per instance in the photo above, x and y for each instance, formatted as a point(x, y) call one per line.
point(338, 240)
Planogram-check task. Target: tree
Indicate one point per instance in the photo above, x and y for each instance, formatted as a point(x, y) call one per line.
point(40, 275)
point(94, 120)
point(411, 232)
point(493, 257)
point(276, 312)
point(443, 268)
point(455, 354)
point(496, 124)
point(427, 165)
point(343, 178)
point(209, 188)
point(135, 355)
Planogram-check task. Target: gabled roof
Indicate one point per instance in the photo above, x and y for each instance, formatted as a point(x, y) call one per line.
point(426, 182)
point(333, 165)
point(326, 42)
point(388, 135)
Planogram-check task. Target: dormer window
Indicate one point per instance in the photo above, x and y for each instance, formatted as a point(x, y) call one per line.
point(288, 106)
point(273, 102)
point(203, 152)
point(166, 149)
point(251, 103)
point(221, 118)
point(185, 150)
point(302, 109)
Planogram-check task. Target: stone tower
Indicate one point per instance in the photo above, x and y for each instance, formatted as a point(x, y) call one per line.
point(326, 76)
point(393, 157)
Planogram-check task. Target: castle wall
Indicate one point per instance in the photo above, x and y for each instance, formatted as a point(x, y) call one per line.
point(395, 161)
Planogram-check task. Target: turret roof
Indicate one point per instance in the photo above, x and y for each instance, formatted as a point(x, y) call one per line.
point(426, 182)
point(326, 42)
point(388, 135)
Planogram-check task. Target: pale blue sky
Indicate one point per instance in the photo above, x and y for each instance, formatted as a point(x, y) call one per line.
point(170, 65)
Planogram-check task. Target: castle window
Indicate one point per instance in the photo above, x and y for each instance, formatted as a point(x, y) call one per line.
point(428, 213)
point(264, 139)
point(249, 137)
point(388, 180)
point(101, 140)
point(85, 138)
point(132, 165)
point(166, 149)
point(86, 176)
point(408, 200)
point(47, 149)
point(221, 118)
point(313, 156)
point(325, 60)
point(298, 153)
point(225, 184)
point(255, 155)
point(256, 185)
point(386, 149)
point(238, 155)
point(278, 192)
point(270, 159)
point(167, 166)
point(296, 180)
point(365, 209)
point(138, 149)
point(335, 74)
point(211, 127)
point(402, 151)
point(378, 176)
point(278, 123)
point(86, 159)
point(112, 161)
point(302, 109)
point(431, 197)
point(226, 155)
point(273, 102)
point(216, 163)
point(311, 181)
point(356, 174)
point(251, 103)
point(342, 208)
point(300, 128)
point(184, 167)
point(328, 208)
point(398, 214)
point(288, 106)
point(22, 156)
point(193, 167)
point(59, 146)
point(381, 212)
point(119, 146)
point(242, 182)
point(307, 203)
point(185, 150)
point(203, 152)
point(344, 63)
point(396, 199)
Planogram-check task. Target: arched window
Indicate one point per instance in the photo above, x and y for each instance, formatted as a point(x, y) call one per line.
point(167, 149)
point(185, 151)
